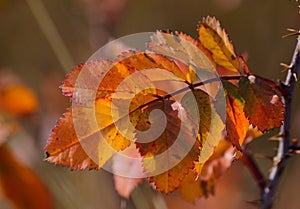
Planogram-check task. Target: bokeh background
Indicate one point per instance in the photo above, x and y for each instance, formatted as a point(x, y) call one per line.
point(39, 53)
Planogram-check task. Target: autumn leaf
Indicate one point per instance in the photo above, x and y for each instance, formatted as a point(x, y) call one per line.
point(202, 185)
point(69, 144)
point(64, 148)
point(20, 185)
point(192, 187)
point(170, 180)
point(180, 150)
point(215, 39)
point(181, 47)
point(210, 125)
point(142, 69)
point(112, 73)
point(18, 99)
point(237, 123)
point(263, 105)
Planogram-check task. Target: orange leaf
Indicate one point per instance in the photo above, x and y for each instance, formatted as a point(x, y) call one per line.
point(237, 123)
point(18, 100)
point(179, 156)
point(86, 138)
point(64, 148)
point(111, 115)
point(181, 47)
point(21, 185)
point(111, 74)
point(198, 185)
point(263, 106)
point(193, 187)
point(210, 124)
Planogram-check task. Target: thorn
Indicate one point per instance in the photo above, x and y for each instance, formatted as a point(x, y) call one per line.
point(295, 76)
point(293, 32)
point(285, 66)
point(276, 137)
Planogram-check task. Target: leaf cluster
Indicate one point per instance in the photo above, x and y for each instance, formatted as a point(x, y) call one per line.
point(208, 75)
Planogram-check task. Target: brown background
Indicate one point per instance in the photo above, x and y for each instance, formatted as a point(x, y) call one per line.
point(255, 27)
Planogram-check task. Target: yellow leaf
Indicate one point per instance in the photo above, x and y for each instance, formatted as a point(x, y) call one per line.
point(237, 123)
point(196, 185)
point(215, 39)
point(183, 48)
point(210, 124)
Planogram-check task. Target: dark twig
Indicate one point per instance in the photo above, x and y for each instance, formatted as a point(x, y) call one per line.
point(284, 143)
point(294, 148)
point(249, 161)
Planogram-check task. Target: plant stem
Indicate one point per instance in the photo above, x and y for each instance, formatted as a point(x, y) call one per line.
point(249, 161)
point(280, 160)
point(191, 86)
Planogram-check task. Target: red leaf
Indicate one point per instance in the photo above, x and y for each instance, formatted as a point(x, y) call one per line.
point(263, 105)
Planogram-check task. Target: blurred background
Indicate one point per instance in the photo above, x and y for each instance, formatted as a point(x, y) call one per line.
point(40, 41)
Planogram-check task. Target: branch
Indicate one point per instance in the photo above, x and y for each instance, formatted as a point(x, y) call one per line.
point(249, 161)
point(294, 149)
point(191, 86)
point(280, 160)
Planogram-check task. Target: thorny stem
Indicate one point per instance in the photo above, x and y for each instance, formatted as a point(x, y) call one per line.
point(283, 153)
